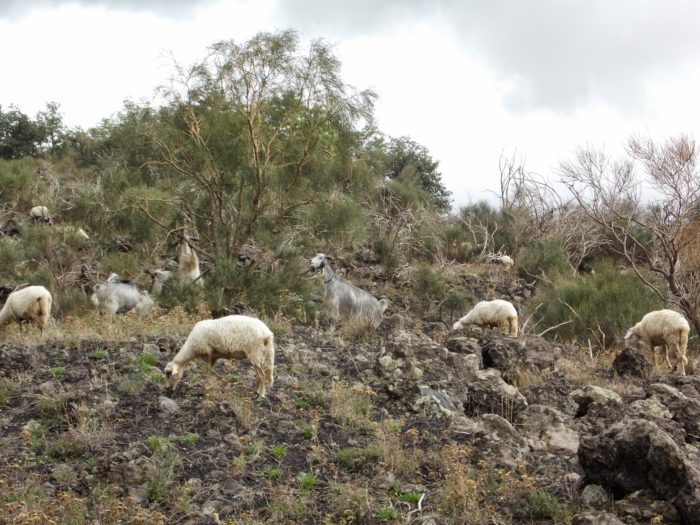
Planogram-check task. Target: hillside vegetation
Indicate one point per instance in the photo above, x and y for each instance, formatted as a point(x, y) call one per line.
point(263, 155)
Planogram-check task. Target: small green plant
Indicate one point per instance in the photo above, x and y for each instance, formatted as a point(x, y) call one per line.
point(7, 388)
point(146, 361)
point(307, 482)
point(157, 443)
point(99, 354)
point(63, 448)
point(273, 473)
point(188, 439)
point(90, 462)
point(312, 395)
point(253, 450)
point(387, 513)
point(355, 459)
point(540, 505)
point(409, 497)
point(278, 450)
point(309, 431)
point(58, 371)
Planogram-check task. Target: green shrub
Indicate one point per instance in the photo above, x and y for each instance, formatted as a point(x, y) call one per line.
point(543, 260)
point(605, 304)
point(429, 286)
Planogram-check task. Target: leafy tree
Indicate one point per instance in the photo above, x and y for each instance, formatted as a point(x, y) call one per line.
point(52, 129)
point(20, 136)
point(411, 162)
point(248, 133)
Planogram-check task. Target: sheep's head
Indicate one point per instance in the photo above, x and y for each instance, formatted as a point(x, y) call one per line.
point(173, 374)
point(457, 326)
point(631, 339)
point(318, 262)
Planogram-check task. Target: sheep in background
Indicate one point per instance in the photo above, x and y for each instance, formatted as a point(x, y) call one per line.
point(32, 303)
point(504, 260)
point(40, 213)
point(496, 313)
point(119, 298)
point(343, 301)
point(661, 328)
point(77, 232)
point(232, 337)
point(189, 264)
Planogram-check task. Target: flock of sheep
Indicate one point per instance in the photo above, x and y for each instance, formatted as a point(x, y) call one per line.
point(242, 337)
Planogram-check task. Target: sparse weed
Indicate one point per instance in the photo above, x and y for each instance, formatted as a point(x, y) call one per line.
point(273, 473)
point(58, 371)
point(352, 406)
point(7, 388)
point(307, 482)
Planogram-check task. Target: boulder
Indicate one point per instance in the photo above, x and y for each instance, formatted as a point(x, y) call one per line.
point(632, 363)
point(636, 454)
point(596, 518)
point(546, 428)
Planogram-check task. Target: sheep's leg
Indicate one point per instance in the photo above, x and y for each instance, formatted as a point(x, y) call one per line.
point(260, 374)
point(680, 361)
point(668, 361)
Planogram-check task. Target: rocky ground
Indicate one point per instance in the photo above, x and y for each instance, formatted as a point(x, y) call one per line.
point(412, 424)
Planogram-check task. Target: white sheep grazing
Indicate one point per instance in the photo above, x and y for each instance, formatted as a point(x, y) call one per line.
point(496, 313)
point(343, 301)
point(32, 303)
point(119, 298)
point(189, 264)
point(661, 328)
point(40, 213)
point(232, 337)
point(504, 260)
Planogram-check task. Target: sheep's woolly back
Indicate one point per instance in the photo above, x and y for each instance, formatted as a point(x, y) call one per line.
point(231, 337)
point(496, 313)
point(662, 328)
point(39, 212)
point(32, 303)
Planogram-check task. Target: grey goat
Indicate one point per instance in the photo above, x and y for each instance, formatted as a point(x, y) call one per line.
point(343, 301)
point(119, 298)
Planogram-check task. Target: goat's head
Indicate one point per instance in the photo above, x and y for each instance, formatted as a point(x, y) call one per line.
point(173, 374)
point(318, 262)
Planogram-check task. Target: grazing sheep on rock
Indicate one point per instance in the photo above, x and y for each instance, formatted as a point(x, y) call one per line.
point(343, 301)
point(661, 328)
point(32, 303)
point(496, 313)
point(232, 337)
point(40, 213)
point(119, 298)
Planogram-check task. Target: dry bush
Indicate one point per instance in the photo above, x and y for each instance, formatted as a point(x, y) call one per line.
point(352, 405)
point(388, 440)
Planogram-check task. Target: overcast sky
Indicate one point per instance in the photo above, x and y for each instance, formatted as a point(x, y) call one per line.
point(467, 79)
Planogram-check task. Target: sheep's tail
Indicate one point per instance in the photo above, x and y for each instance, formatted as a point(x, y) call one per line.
point(269, 364)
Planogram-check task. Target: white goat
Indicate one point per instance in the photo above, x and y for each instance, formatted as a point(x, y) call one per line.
point(343, 301)
point(40, 213)
point(189, 264)
point(32, 303)
point(661, 328)
point(158, 278)
point(496, 313)
point(119, 298)
point(232, 337)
